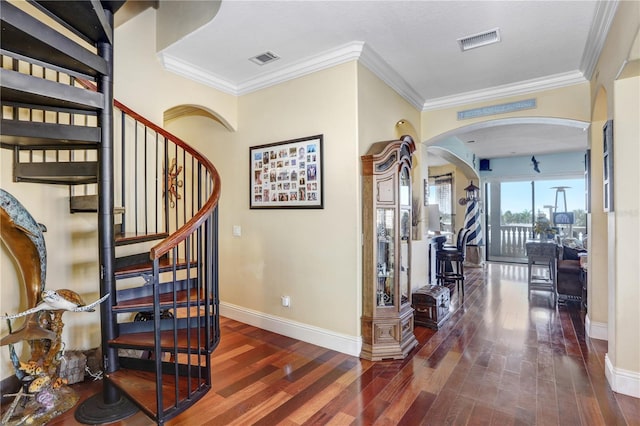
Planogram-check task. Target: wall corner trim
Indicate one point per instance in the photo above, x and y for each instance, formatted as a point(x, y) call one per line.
point(343, 343)
point(622, 381)
point(596, 330)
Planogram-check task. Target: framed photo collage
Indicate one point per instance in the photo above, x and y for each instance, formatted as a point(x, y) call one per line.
point(287, 174)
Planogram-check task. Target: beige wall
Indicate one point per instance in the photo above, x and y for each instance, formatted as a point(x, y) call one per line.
point(597, 315)
point(379, 109)
point(622, 97)
point(313, 256)
point(309, 255)
point(617, 49)
point(142, 84)
point(626, 292)
point(570, 102)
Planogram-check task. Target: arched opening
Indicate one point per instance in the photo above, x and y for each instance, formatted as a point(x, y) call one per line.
point(181, 111)
point(508, 147)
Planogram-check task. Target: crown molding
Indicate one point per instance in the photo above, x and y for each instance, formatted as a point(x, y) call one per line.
point(359, 51)
point(374, 62)
point(356, 50)
point(195, 73)
point(330, 58)
point(602, 20)
point(515, 89)
point(342, 54)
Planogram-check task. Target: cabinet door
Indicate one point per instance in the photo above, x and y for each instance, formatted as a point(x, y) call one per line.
point(385, 256)
point(404, 257)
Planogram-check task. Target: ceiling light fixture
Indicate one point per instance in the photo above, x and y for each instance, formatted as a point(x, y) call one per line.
point(264, 58)
point(480, 39)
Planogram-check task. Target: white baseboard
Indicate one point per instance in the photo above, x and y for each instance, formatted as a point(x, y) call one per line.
point(622, 381)
point(596, 330)
point(346, 344)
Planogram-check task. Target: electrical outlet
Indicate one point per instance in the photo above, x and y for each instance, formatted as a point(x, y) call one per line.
point(237, 231)
point(286, 301)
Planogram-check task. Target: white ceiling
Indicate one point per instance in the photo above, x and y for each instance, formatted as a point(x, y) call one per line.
point(411, 45)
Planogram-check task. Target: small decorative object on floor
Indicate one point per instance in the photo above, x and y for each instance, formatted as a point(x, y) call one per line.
point(72, 366)
point(431, 305)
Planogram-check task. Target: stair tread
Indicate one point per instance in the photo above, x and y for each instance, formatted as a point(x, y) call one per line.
point(60, 180)
point(61, 172)
point(166, 301)
point(187, 340)
point(165, 264)
point(27, 89)
point(89, 204)
point(91, 23)
point(27, 36)
point(124, 238)
point(34, 134)
point(140, 387)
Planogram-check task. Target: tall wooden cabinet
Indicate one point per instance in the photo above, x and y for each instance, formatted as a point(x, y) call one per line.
point(387, 315)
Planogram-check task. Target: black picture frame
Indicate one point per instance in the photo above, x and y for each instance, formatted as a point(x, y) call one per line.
point(607, 172)
point(287, 174)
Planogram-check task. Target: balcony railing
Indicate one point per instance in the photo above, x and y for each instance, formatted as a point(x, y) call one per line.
point(512, 238)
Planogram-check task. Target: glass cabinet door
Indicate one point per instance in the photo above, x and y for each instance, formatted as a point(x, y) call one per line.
point(385, 229)
point(405, 237)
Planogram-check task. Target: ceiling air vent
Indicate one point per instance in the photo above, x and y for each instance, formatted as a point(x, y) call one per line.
point(480, 39)
point(264, 58)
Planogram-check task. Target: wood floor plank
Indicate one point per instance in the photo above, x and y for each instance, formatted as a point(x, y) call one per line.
point(418, 410)
point(256, 415)
point(300, 398)
point(547, 412)
point(437, 414)
point(442, 373)
point(315, 404)
point(405, 394)
point(481, 415)
point(246, 381)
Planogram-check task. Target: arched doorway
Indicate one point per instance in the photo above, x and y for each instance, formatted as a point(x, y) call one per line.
point(511, 183)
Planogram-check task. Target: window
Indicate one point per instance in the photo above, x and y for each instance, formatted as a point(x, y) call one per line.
point(441, 193)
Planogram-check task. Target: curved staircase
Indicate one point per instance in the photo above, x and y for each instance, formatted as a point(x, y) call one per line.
point(155, 198)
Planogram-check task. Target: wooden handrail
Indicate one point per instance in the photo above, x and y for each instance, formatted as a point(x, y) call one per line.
point(190, 226)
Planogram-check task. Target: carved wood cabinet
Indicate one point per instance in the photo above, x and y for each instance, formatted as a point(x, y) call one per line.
point(387, 315)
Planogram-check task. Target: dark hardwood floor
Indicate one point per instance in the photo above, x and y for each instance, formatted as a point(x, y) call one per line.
point(501, 359)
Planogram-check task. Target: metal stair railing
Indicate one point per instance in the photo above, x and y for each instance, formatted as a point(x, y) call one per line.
point(165, 188)
point(175, 190)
